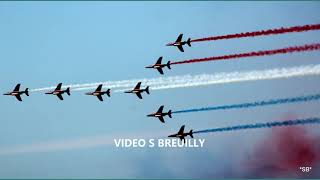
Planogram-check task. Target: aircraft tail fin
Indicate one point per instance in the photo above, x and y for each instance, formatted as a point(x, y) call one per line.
point(147, 90)
point(27, 91)
point(108, 92)
point(168, 65)
point(68, 91)
point(189, 42)
point(191, 133)
point(169, 114)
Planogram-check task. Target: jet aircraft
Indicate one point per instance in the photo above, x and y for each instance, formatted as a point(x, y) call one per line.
point(16, 92)
point(98, 92)
point(160, 114)
point(179, 43)
point(181, 134)
point(137, 90)
point(159, 66)
point(58, 92)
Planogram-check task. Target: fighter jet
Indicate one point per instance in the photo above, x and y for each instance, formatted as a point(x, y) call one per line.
point(99, 93)
point(159, 114)
point(59, 92)
point(16, 92)
point(138, 91)
point(182, 134)
point(179, 43)
point(159, 66)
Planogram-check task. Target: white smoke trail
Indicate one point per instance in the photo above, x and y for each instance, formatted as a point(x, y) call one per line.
point(78, 143)
point(200, 80)
point(112, 84)
point(221, 78)
point(84, 142)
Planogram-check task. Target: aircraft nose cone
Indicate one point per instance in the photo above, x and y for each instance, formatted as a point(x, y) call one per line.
point(169, 44)
point(87, 93)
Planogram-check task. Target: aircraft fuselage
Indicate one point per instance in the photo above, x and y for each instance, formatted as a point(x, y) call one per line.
point(156, 66)
point(159, 66)
point(179, 135)
point(173, 135)
point(137, 90)
point(14, 93)
point(157, 115)
point(56, 92)
point(134, 91)
point(96, 93)
point(179, 43)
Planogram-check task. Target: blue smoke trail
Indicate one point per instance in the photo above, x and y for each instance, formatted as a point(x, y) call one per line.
point(254, 104)
point(263, 125)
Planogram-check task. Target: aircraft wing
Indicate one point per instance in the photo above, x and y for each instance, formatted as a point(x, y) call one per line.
point(138, 85)
point(17, 87)
point(100, 97)
point(139, 95)
point(160, 109)
point(99, 87)
point(180, 48)
point(179, 38)
point(160, 70)
point(60, 96)
point(159, 60)
point(59, 86)
point(18, 97)
point(181, 130)
point(161, 119)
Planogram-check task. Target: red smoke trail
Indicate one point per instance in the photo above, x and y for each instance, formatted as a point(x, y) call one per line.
point(307, 47)
point(262, 33)
point(283, 152)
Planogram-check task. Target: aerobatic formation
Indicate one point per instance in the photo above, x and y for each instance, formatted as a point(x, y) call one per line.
point(179, 43)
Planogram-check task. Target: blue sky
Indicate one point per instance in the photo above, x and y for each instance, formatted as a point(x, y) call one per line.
point(44, 43)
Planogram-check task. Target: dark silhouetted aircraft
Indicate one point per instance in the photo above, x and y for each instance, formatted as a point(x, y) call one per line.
point(159, 114)
point(138, 91)
point(159, 66)
point(16, 92)
point(179, 43)
point(99, 93)
point(182, 134)
point(59, 92)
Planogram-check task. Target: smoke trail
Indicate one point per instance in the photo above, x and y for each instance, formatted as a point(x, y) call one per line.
point(109, 84)
point(310, 27)
point(76, 143)
point(222, 78)
point(307, 47)
point(199, 80)
point(255, 104)
point(263, 125)
point(122, 83)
